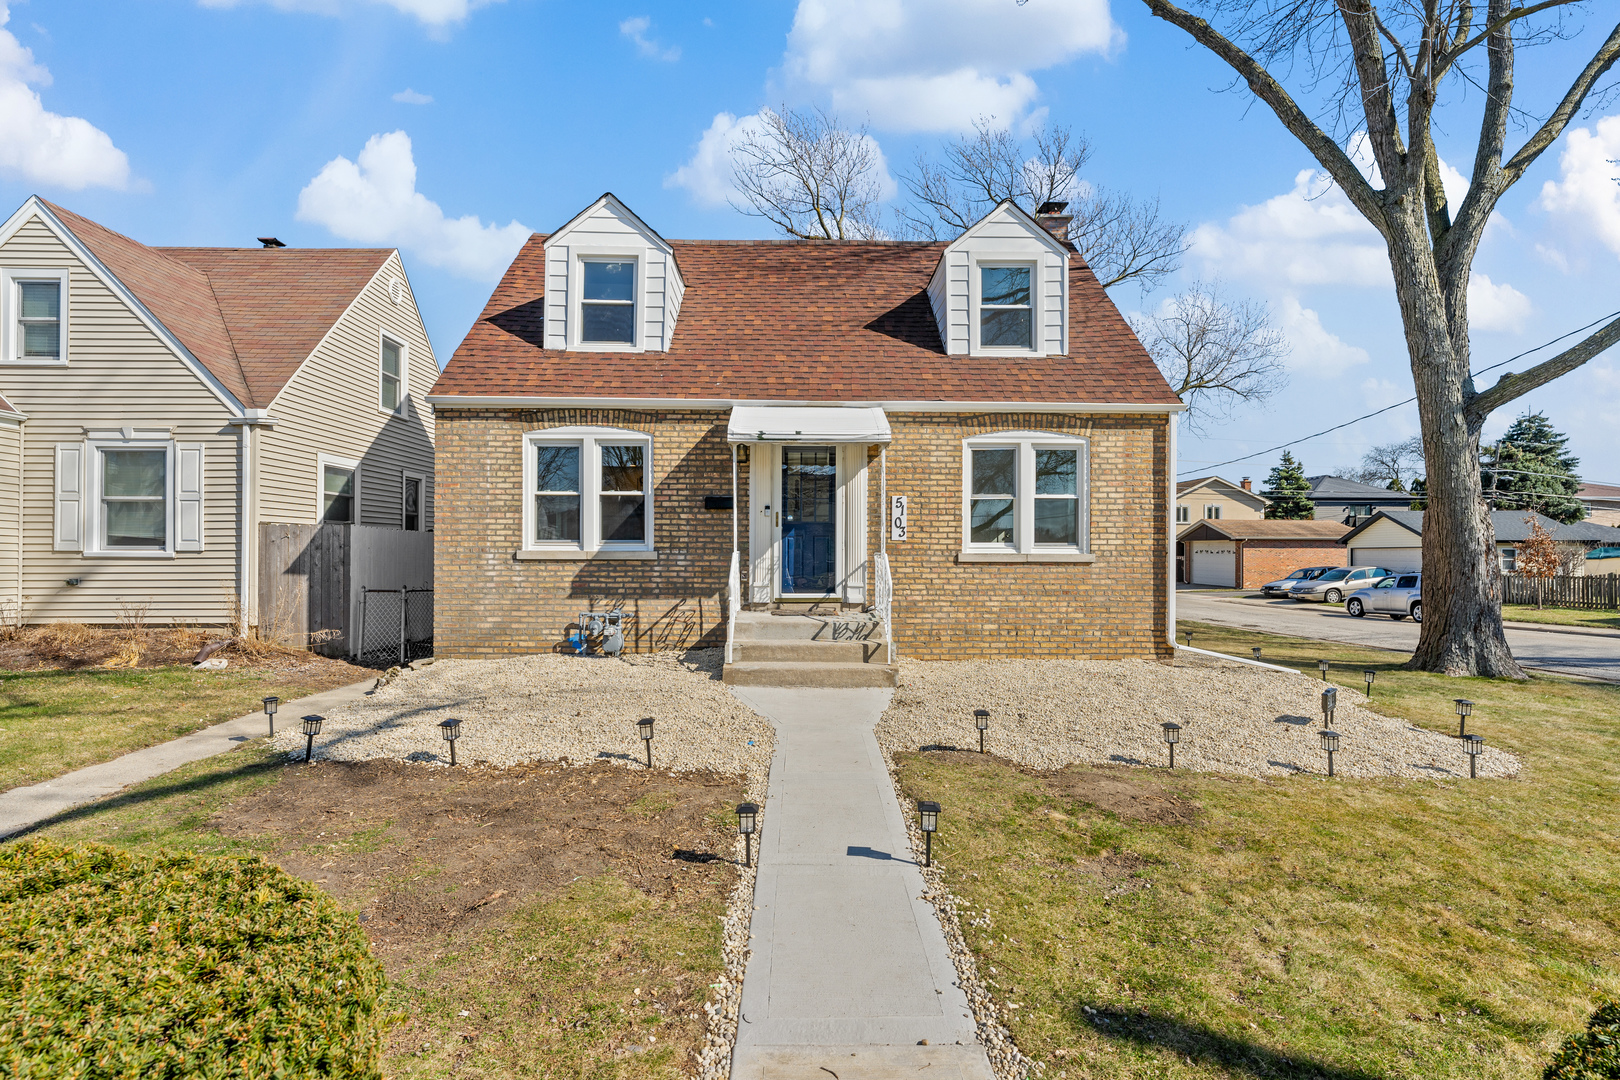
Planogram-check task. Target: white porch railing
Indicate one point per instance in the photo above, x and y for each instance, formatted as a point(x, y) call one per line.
point(733, 604)
point(885, 601)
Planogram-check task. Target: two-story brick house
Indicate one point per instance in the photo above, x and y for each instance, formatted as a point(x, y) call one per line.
point(630, 417)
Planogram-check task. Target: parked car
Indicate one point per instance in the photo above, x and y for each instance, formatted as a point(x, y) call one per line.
point(1396, 597)
point(1332, 586)
point(1281, 586)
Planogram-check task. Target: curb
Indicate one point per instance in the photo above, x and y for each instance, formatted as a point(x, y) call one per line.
point(1553, 628)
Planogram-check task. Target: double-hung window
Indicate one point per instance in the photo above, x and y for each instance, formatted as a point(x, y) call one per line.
point(392, 388)
point(134, 499)
point(129, 492)
point(1026, 496)
point(1183, 515)
point(589, 491)
point(1006, 307)
point(607, 305)
point(1212, 511)
point(339, 495)
point(34, 308)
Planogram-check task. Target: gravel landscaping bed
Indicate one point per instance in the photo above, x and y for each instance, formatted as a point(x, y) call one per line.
point(551, 708)
point(1235, 719)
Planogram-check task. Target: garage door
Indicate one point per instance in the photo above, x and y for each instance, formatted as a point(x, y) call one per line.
point(1396, 559)
point(1214, 563)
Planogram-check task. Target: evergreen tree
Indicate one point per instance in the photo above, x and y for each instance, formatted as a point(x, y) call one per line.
point(1289, 491)
point(1420, 495)
point(1531, 469)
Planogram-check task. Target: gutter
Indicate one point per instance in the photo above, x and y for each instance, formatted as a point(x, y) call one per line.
point(525, 401)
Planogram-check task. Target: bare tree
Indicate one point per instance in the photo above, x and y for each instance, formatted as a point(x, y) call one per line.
point(1381, 69)
point(1216, 353)
point(808, 176)
point(1396, 463)
point(1122, 238)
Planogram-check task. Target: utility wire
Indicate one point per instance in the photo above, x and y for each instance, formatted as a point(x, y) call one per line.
point(1398, 404)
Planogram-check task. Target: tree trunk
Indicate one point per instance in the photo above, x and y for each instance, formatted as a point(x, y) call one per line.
point(1462, 584)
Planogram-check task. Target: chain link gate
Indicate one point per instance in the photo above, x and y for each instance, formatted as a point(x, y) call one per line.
point(396, 626)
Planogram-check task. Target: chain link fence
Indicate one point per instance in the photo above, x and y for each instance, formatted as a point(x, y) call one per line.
point(396, 626)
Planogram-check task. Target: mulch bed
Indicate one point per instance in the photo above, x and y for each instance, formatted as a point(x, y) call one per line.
point(74, 647)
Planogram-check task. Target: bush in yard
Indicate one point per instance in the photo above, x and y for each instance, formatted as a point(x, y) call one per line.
point(1594, 1054)
point(115, 964)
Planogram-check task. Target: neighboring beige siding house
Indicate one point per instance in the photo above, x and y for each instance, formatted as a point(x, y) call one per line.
point(1209, 498)
point(161, 403)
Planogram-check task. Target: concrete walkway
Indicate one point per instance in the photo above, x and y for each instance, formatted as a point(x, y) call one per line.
point(24, 807)
point(849, 972)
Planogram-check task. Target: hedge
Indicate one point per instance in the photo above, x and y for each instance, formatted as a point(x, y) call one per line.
point(123, 965)
point(1594, 1054)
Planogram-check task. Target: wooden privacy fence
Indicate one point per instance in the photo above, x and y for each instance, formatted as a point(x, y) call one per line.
point(1600, 593)
point(312, 579)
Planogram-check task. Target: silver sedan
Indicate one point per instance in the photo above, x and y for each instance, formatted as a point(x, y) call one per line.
point(1396, 597)
point(1281, 586)
point(1332, 586)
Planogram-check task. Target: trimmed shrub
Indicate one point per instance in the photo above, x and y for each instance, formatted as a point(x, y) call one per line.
point(1594, 1054)
point(114, 964)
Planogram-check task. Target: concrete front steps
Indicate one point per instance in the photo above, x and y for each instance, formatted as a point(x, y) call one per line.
point(845, 650)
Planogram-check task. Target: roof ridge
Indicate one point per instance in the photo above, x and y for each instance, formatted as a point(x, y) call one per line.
point(230, 338)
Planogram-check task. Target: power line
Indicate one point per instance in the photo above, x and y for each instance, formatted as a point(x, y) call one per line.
point(1408, 401)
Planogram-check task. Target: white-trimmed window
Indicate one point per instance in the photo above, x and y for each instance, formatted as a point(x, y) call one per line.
point(34, 308)
point(1183, 514)
point(607, 300)
point(1026, 493)
point(391, 375)
point(1212, 511)
point(1006, 306)
point(587, 490)
point(411, 516)
point(337, 491)
point(126, 492)
point(1510, 559)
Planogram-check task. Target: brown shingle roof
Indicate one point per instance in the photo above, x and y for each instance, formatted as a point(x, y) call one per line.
point(250, 316)
point(800, 321)
point(8, 407)
point(1272, 529)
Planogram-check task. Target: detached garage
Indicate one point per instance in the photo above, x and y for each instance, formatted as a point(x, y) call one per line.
point(1247, 554)
point(1388, 541)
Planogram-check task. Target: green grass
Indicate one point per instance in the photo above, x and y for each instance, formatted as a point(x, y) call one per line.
point(55, 721)
point(1346, 929)
point(1597, 620)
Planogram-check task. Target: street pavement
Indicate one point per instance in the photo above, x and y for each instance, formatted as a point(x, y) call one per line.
point(1592, 656)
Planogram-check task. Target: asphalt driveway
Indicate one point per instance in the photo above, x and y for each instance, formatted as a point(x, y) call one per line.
point(1593, 656)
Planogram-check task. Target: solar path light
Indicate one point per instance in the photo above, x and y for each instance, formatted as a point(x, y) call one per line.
point(1256, 651)
point(644, 729)
point(928, 819)
point(1465, 709)
point(270, 706)
point(1330, 701)
point(451, 730)
point(1369, 675)
point(312, 728)
point(747, 816)
point(1189, 639)
point(981, 720)
point(1330, 743)
point(1172, 735)
point(1473, 746)
point(1322, 665)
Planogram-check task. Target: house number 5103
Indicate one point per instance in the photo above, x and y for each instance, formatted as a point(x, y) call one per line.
point(897, 517)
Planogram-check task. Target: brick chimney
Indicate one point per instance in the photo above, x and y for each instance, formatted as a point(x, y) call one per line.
point(1053, 219)
point(1246, 484)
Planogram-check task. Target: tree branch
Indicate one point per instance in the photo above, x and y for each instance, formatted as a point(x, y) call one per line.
point(1567, 108)
point(1511, 386)
point(1499, 23)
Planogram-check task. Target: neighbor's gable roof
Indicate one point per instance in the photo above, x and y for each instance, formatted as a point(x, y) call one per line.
point(1599, 492)
point(844, 322)
point(1337, 487)
point(1509, 525)
point(1187, 487)
point(250, 316)
point(1265, 529)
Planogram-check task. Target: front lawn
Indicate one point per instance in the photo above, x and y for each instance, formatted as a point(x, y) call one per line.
point(1595, 620)
point(1154, 924)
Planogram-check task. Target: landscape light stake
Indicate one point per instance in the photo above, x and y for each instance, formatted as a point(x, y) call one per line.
point(1323, 665)
point(270, 706)
point(1330, 743)
point(644, 728)
point(747, 814)
point(1172, 735)
point(981, 720)
point(1472, 746)
point(312, 728)
point(1256, 652)
point(928, 818)
point(1189, 639)
point(1330, 701)
point(1369, 675)
point(451, 730)
point(1465, 709)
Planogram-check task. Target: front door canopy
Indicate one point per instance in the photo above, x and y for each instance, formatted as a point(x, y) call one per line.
point(809, 424)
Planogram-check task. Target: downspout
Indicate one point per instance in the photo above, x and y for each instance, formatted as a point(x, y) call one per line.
point(244, 552)
point(1170, 569)
point(22, 457)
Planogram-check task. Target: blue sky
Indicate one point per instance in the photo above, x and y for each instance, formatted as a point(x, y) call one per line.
point(450, 128)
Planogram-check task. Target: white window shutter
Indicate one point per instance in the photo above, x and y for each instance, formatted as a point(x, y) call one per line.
point(69, 528)
point(188, 497)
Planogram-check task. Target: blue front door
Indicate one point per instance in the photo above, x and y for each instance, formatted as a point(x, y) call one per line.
point(809, 525)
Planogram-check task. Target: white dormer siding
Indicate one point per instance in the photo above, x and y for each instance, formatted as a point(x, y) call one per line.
point(1005, 238)
point(607, 231)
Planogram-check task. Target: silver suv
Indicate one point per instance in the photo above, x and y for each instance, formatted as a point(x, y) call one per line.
point(1332, 586)
point(1397, 597)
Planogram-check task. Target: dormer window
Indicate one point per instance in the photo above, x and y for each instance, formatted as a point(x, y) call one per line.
point(607, 306)
point(1005, 310)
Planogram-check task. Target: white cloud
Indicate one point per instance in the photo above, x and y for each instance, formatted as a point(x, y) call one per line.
point(1586, 197)
point(1315, 350)
point(1496, 307)
point(40, 146)
point(937, 65)
point(636, 30)
point(375, 201)
point(1310, 236)
point(408, 96)
point(436, 14)
point(708, 173)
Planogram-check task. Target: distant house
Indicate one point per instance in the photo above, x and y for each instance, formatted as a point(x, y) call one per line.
point(1245, 554)
point(1602, 502)
point(1351, 501)
point(1394, 539)
point(1214, 499)
point(159, 404)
